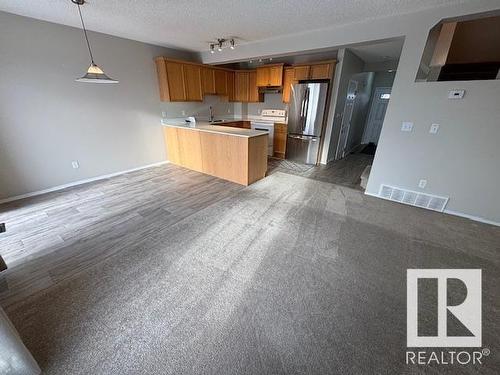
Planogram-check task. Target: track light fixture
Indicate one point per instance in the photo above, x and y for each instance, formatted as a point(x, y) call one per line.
point(222, 43)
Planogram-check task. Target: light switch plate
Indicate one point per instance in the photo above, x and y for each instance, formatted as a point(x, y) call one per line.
point(75, 164)
point(456, 94)
point(434, 128)
point(422, 184)
point(406, 126)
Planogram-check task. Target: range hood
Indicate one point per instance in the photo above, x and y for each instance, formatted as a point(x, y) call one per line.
point(271, 90)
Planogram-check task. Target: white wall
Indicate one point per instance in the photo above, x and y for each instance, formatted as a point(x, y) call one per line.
point(462, 160)
point(361, 107)
point(271, 101)
point(47, 119)
point(350, 65)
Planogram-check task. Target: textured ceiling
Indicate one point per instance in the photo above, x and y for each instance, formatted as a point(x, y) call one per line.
point(189, 24)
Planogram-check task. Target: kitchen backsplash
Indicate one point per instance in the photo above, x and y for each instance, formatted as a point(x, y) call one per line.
point(220, 107)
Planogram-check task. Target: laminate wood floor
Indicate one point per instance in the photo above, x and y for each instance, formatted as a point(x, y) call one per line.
point(54, 236)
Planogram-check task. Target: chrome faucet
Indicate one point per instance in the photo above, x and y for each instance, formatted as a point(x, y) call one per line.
point(211, 114)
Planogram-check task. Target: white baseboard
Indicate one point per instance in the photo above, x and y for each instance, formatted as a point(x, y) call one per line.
point(472, 217)
point(450, 212)
point(80, 182)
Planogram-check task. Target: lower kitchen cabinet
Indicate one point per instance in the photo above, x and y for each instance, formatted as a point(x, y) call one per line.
point(279, 142)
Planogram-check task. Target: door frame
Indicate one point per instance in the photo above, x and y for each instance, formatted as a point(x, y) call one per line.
point(376, 93)
point(339, 154)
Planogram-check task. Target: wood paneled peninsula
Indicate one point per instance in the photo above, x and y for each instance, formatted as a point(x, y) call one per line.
point(234, 154)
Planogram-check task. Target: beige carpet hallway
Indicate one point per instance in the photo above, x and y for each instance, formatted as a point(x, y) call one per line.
point(288, 276)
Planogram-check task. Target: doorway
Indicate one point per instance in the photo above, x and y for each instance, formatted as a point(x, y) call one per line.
point(380, 100)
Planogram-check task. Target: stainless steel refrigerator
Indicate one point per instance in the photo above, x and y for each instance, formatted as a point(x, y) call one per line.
point(305, 121)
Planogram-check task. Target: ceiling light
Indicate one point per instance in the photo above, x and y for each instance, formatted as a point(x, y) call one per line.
point(94, 73)
point(232, 45)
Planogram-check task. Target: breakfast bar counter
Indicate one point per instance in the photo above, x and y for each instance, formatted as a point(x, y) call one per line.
point(233, 154)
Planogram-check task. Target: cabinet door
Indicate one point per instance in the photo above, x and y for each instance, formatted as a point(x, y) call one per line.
point(279, 140)
point(263, 76)
point(288, 81)
point(192, 83)
point(275, 76)
point(241, 86)
point(253, 89)
point(161, 70)
point(320, 71)
point(301, 72)
point(208, 80)
point(230, 86)
point(175, 77)
point(220, 82)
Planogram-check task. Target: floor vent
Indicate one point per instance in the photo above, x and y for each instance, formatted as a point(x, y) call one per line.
point(413, 198)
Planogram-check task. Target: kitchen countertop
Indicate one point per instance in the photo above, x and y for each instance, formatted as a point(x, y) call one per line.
point(205, 126)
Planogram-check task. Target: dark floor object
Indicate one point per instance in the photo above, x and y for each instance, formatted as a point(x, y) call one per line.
point(369, 149)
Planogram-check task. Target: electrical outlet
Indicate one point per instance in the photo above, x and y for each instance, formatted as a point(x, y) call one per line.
point(229, 110)
point(164, 114)
point(183, 113)
point(75, 164)
point(422, 184)
point(406, 126)
point(434, 128)
point(456, 94)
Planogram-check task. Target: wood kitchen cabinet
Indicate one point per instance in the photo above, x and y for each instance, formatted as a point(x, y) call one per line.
point(323, 70)
point(178, 81)
point(269, 75)
point(208, 80)
point(175, 82)
point(230, 86)
point(220, 82)
point(301, 72)
point(288, 81)
point(279, 141)
point(192, 82)
point(183, 81)
point(253, 90)
point(241, 86)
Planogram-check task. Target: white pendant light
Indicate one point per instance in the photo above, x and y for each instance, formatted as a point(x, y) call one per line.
point(94, 73)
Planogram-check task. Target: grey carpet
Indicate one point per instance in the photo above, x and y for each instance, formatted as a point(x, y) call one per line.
point(288, 276)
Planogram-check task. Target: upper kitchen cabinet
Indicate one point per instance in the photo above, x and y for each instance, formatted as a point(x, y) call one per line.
point(270, 75)
point(208, 80)
point(241, 86)
point(179, 81)
point(230, 86)
point(253, 89)
point(171, 80)
point(288, 81)
point(321, 70)
point(192, 82)
point(220, 82)
point(301, 72)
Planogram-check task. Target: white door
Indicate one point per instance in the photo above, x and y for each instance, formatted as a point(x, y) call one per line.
point(346, 118)
point(377, 114)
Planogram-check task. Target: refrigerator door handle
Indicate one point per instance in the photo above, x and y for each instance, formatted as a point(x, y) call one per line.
point(306, 106)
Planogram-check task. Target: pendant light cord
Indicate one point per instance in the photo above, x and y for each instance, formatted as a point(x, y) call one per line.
point(86, 37)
